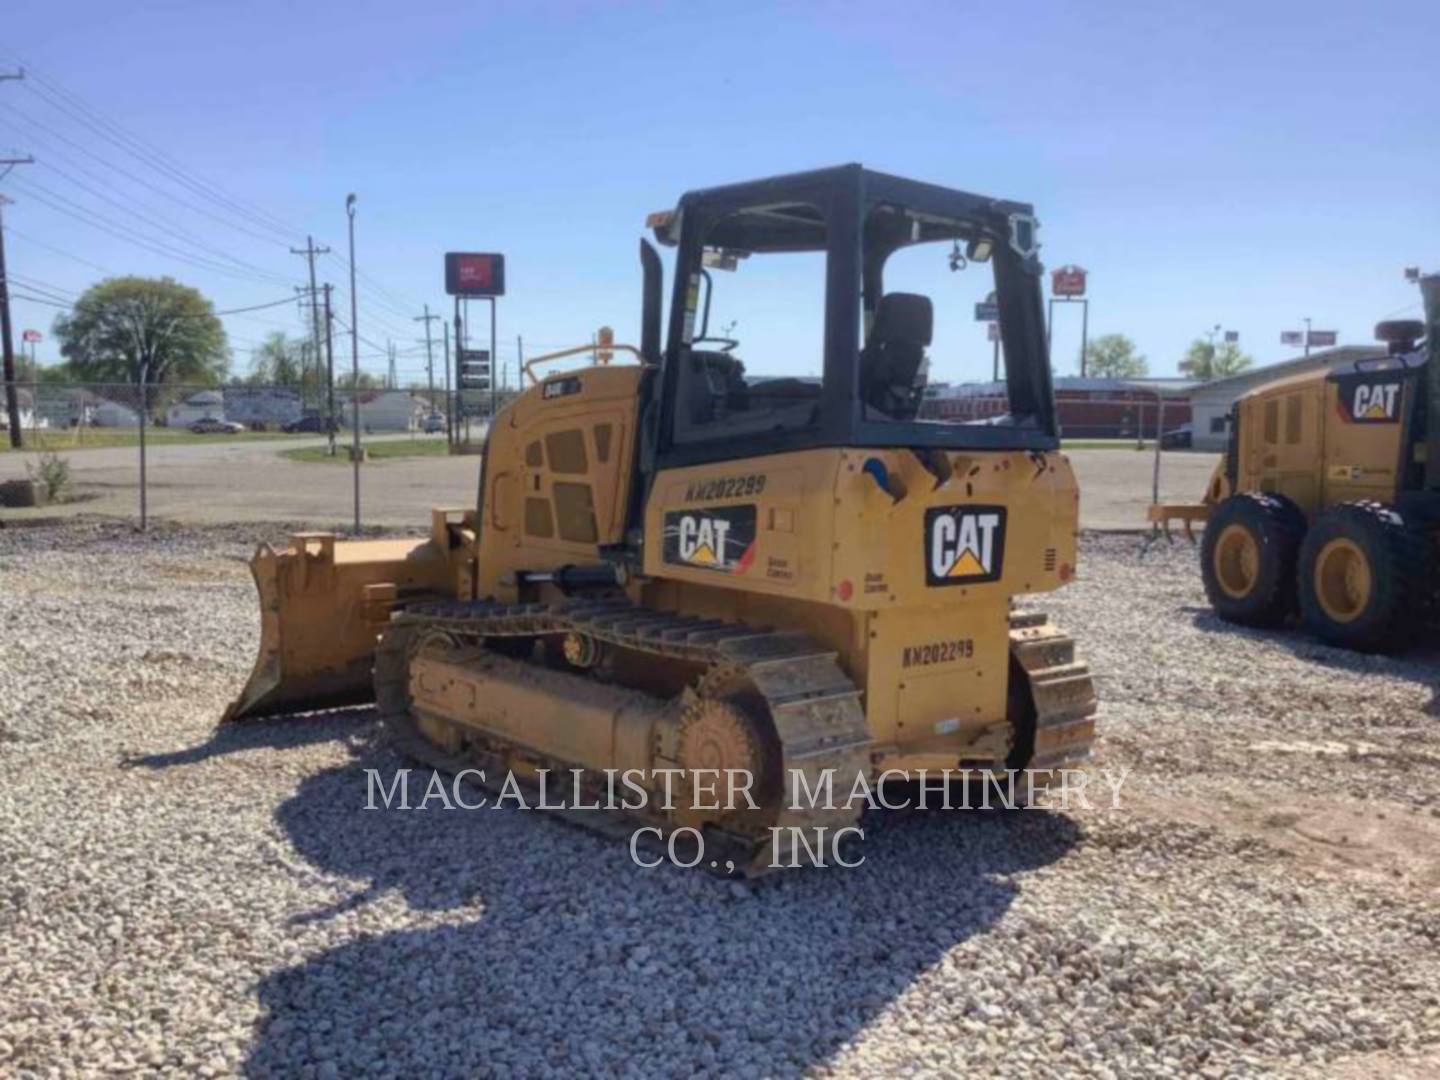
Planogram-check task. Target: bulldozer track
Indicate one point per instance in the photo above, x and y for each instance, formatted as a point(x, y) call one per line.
point(816, 710)
point(1061, 688)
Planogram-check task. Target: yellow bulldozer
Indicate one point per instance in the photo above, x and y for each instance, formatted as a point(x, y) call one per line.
point(676, 566)
point(1327, 499)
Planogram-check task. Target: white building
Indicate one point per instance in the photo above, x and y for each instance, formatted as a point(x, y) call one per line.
point(201, 405)
point(29, 420)
point(112, 414)
point(388, 410)
point(1211, 402)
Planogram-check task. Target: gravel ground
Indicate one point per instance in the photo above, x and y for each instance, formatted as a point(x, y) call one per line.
point(177, 898)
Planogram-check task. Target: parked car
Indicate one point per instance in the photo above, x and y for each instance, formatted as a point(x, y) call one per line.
point(1181, 438)
point(313, 422)
point(434, 423)
point(211, 425)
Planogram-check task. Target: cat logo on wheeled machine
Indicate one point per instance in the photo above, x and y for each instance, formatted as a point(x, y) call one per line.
point(964, 545)
point(721, 538)
point(1365, 399)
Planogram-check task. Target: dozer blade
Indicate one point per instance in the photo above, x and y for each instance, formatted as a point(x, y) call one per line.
point(322, 606)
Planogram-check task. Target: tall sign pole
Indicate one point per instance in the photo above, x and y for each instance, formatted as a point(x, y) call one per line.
point(330, 424)
point(449, 401)
point(480, 275)
point(1067, 286)
point(354, 365)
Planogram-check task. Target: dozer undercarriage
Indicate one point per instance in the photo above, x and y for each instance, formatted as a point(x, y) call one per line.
point(760, 749)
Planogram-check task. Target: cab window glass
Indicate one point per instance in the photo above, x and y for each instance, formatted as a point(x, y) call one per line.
point(752, 356)
point(931, 347)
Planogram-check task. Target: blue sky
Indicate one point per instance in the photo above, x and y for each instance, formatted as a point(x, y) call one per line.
point(1246, 164)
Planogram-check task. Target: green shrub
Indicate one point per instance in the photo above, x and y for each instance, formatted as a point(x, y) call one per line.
point(52, 473)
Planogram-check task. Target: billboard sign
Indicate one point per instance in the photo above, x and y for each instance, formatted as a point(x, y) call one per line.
point(1232, 337)
point(1068, 281)
point(1292, 337)
point(30, 336)
point(1323, 339)
point(474, 273)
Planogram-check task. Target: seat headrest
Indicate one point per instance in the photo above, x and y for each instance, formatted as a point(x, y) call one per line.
point(905, 317)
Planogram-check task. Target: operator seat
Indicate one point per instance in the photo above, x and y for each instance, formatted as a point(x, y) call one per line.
point(892, 363)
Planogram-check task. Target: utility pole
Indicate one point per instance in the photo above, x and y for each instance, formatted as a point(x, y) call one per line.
point(354, 360)
point(310, 251)
point(1307, 336)
point(12, 398)
point(390, 374)
point(449, 402)
point(330, 369)
point(427, 318)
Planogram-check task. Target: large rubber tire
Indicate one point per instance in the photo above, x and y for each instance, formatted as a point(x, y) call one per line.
point(1248, 557)
point(1365, 578)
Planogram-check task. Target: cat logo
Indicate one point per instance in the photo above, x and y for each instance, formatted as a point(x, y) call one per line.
point(722, 539)
point(701, 538)
point(964, 545)
point(1375, 401)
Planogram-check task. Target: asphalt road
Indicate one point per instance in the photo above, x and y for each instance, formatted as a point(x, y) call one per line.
point(212, 483)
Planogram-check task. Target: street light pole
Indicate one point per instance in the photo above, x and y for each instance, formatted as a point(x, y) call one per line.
point(1307, 337)
point(354, 364)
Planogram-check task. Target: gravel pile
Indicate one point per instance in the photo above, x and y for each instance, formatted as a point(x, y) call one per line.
point(173, 897)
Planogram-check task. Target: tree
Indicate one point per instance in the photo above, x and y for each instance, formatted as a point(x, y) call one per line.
point(1114, 356)
point(346, 380)
point(277, 360)
point(1205, 361)
point(128, 326)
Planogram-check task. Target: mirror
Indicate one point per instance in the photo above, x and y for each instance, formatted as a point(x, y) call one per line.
point(1022, 235)
point(721, 259)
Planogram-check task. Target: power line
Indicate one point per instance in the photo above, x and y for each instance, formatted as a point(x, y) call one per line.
point(182, 315)
point(61, 251)
point(180, 234)
point(99, 221)
point(148, 153)
point(122, 171)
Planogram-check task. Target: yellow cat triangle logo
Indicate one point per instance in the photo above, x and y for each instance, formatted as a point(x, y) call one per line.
point(1375, 412)
point(703, 555)
point(967, 565)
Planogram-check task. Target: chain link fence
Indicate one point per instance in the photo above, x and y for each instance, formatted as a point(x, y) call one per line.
point(196, 446)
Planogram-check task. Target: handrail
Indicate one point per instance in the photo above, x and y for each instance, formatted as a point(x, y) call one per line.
point(600, 350)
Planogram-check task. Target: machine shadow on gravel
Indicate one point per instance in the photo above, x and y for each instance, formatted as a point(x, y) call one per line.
point(1419, 665)
point(278, 733)
point(570, 953)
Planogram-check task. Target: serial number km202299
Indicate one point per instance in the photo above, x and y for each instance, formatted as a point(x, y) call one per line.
point(725, 487)
point(938, 652)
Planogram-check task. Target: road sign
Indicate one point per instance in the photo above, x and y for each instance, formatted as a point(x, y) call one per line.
point(1292, 337)
point(992, 332)
point(1323, 339)
point(1068, 281)
point(474, 273)
point(987, 311)
point(31, 336)
point(474, 369)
